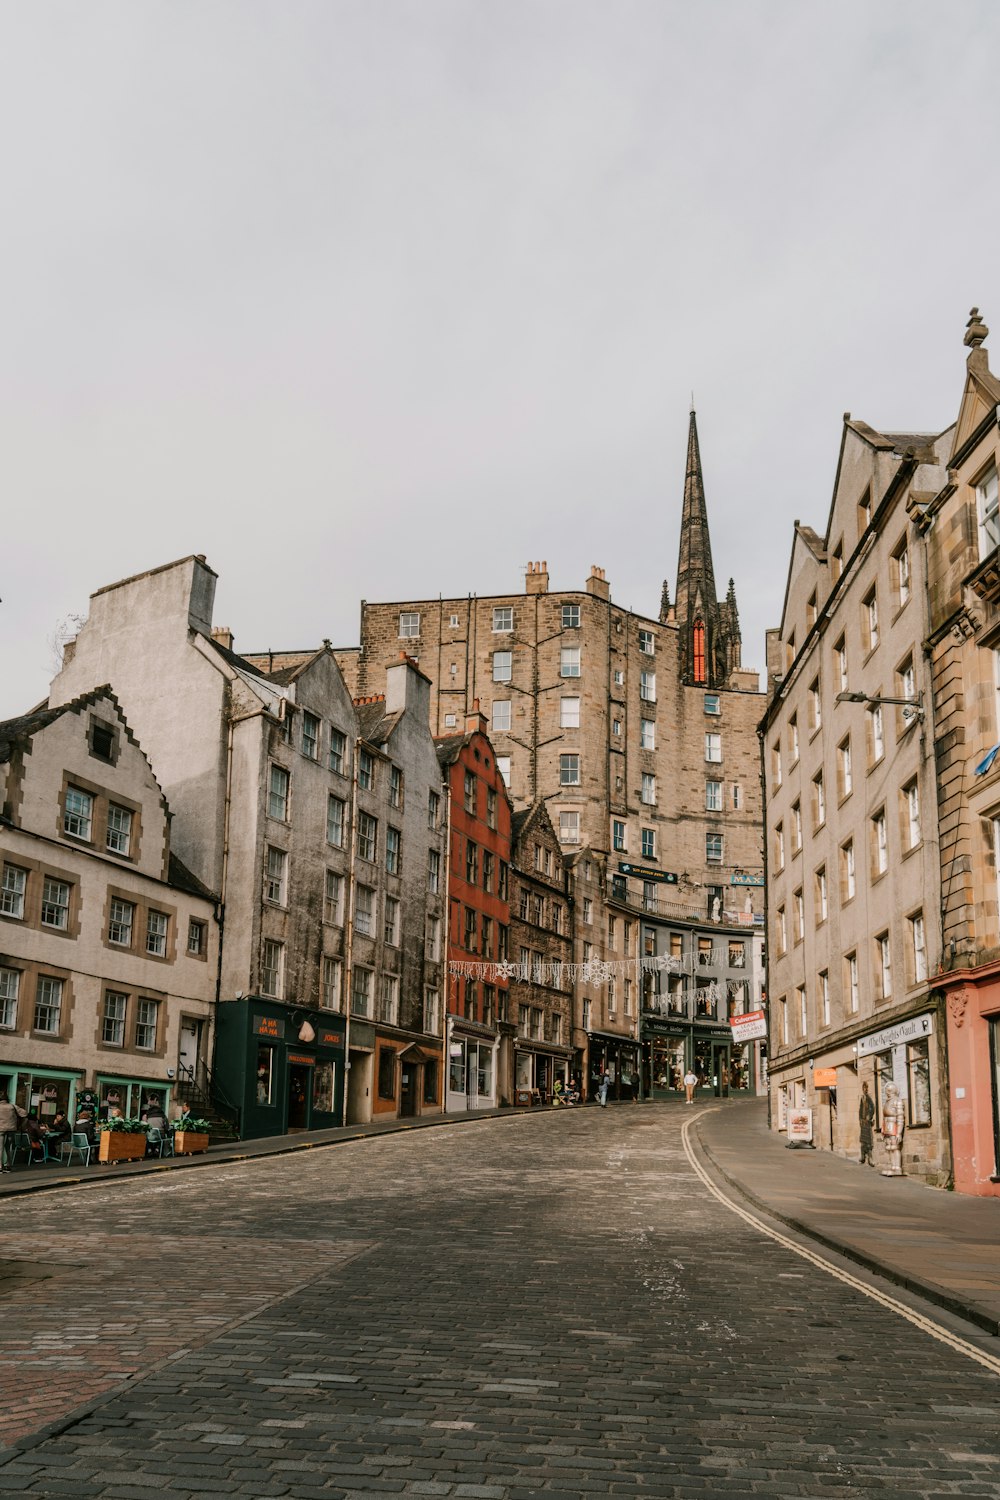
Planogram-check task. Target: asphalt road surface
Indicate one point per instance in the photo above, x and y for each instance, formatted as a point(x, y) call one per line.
point(538, 1306)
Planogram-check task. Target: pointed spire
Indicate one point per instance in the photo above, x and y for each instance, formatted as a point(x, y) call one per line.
point(695, 578)
point(665, 602)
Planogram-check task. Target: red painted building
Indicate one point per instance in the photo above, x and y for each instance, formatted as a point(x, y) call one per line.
point(479, 842)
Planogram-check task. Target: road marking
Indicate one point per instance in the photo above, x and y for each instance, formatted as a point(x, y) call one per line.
point(989, 1361)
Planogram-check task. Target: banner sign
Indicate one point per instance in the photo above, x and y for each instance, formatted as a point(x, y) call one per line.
point(896, 1036)
point(748, 1027)
point(643, 872)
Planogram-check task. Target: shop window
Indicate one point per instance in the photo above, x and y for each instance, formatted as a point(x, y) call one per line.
point(918, 1075)
point(430, 1081)
point(323, 1081)
point(265, 1075)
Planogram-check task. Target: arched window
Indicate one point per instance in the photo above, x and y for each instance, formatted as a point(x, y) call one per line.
point(698, 657)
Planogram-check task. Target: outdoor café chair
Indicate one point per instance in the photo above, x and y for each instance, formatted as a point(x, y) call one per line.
point(78, 1142)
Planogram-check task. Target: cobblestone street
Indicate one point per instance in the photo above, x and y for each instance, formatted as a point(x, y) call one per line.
point(536, 1306)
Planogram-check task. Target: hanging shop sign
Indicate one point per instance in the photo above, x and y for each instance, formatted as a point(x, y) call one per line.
point(644, 872)
point(749, 1027)
point(824, 1078)
point(896, 1036)
point(746, 880)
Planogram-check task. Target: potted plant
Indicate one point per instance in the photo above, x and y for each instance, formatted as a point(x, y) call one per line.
point(190, 1136)
point(121, 1140)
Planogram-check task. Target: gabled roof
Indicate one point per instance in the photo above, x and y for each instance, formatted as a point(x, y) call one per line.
point(529, 818)
point(450, 746)
point(16, 731)
point(374, 724)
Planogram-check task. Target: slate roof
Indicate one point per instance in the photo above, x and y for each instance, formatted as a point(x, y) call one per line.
point(179, 876)
point(12, 731)
point(375, 725)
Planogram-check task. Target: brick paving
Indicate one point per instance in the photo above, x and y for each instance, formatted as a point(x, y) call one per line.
point(548, 1306)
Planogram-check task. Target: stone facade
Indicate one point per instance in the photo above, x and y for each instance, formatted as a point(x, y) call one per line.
point(108, 946)
point(262, 762)
point(962, 537)
point(853, 874)
point(478, 926)
point(642, 756)
point(540, 1044)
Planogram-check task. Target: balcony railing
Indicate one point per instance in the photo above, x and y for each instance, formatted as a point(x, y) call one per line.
point(686, 1007)
point(630, 893)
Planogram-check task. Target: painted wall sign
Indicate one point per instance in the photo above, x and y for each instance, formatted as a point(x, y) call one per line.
point(331, 1039)
point(896, 1036)
point(272, 1026)
point(295, 1057)
point(644, 872)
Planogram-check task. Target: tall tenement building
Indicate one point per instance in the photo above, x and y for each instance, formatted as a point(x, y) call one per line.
point(639, 733)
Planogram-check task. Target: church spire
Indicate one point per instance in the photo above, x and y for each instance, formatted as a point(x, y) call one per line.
point(695, 578)
point(708, 629)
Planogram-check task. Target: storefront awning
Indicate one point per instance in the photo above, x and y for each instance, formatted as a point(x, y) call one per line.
point(550, 1049)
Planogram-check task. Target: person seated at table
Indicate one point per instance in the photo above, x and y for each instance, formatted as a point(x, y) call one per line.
point(182, 1116)
point(85, 1126)
point(36, 1133)
point(154, 1116)
point(59, 1129)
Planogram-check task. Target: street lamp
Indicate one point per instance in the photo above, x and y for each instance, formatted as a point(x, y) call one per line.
point(913, 708)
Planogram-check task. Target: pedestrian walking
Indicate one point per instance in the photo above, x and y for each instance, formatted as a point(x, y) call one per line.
point(866, 1122)
point(690, 1084)
point(11, 1119)
point(602, 1089)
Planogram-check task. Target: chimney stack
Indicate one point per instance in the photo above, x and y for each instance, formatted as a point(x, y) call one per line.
point(537, 578)
point(475, 719)
point(597, 584)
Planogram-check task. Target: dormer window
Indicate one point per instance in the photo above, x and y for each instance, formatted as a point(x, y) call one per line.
point(103, 740)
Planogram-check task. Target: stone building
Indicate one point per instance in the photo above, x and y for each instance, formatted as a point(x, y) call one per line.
point(109, 947)
point(638, 731)
point(539, 1046)
point(262, 763)
point(853, 874)
point(961, 525)
point(478, 927)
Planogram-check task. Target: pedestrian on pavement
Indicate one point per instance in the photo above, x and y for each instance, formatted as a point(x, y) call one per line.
point(11, 1119)
point(602, 1089)
point(690, 1084)
point(866, 1121)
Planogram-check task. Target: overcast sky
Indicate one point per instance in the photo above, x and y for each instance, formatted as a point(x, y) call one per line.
point(381, 299)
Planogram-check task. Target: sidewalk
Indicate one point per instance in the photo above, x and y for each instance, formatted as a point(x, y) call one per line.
point(36, 1179)
point(944, 1246)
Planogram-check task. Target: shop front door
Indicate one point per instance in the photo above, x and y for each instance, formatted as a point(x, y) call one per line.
point(720, 1069)
point(408, 1089)
point(298, 1096)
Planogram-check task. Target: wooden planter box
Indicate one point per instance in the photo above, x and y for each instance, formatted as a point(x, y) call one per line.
point(121, 1145)
point(189, 1142)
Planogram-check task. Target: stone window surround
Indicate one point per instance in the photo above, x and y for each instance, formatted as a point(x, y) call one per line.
point(143, 906)
point(31, 970)
point(99, 831)
point(38, 871)
point(132, 997)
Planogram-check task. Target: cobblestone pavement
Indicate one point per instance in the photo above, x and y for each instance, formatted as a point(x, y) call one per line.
point(543, 1306)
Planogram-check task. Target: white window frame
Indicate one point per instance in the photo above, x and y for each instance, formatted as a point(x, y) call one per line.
point(503, 619)
point(503, 666)
point(409, 624)
point(647, 686)
point(569, 769)
point(713, 748)
point(569, 661)
point(647, 734)
point(569, 713)
point(78, 814)
point(647, 793)
point(988, 512)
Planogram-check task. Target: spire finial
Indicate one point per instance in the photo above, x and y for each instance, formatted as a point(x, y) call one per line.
point(692, 404)
point(976, 330)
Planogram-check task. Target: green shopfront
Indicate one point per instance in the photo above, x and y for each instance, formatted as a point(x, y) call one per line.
point(670, 1048)
point(282, 1066)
